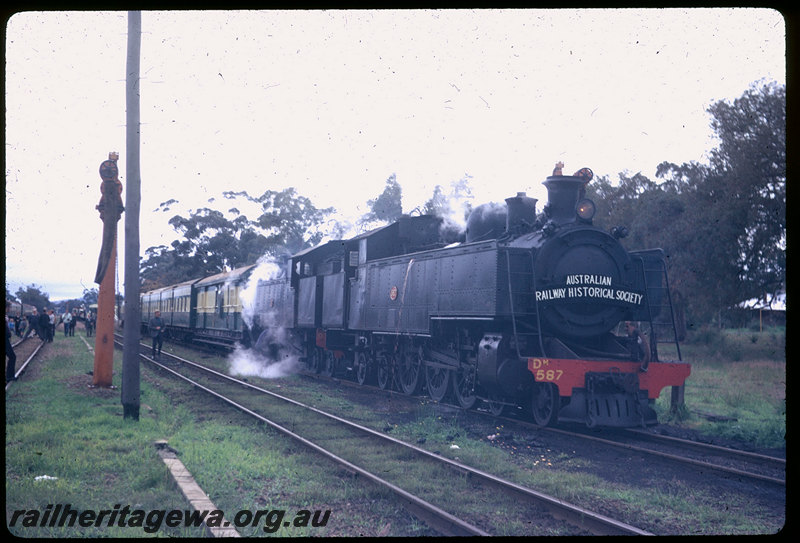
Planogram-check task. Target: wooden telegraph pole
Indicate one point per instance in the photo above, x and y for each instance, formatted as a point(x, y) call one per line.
point(130, 355)
point(110, 208)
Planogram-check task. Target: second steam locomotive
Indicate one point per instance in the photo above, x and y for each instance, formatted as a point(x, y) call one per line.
point(525, 312)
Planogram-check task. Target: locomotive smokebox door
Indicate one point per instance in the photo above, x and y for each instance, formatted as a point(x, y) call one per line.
point(586, 283)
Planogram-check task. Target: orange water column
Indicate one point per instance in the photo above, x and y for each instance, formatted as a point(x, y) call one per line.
point(110, 208)
point(104, 337)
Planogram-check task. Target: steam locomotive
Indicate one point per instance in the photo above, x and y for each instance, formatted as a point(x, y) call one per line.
point(525, 312)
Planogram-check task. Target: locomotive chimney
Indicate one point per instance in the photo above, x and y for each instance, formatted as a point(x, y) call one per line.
point(563, 193)
point(521, 213)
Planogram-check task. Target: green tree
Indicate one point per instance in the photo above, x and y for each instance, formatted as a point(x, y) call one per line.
point(751, 162)
point(291, 222)
point(167, 265)
point(90, 296)
point(211, 241)
point(388, 206)
point(703, 251)
point(721, 225)
point(33, 295)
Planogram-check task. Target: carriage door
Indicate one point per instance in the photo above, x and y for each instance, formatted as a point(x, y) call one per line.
point(216, 310)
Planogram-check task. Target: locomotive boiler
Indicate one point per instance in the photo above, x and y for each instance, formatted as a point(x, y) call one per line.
point(524, 312)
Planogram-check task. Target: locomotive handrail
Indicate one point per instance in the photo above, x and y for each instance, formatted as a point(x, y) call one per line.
point(536, 305)
point(653, 334)
point(662, 268)
point(513, 312)
point(511, 303)
point(672, 312)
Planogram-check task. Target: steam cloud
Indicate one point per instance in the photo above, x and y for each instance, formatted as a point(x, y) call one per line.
point(269, 358)
point(250, 362)
point(453, 208)
point(266, 270)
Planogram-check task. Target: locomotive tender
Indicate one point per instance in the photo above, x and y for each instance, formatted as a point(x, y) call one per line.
point(523, 313)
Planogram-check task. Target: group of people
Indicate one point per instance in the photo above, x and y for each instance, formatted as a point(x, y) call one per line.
point(42, 324)
point(70, 319)
point(17, 325)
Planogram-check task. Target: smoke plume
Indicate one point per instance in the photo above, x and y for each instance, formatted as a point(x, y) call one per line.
point(270, 356)
point(251, 362)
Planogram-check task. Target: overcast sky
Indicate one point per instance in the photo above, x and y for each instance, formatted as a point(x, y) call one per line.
point(334, 102)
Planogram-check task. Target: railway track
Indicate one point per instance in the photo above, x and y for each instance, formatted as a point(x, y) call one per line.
point(750, 465)
point(26, 350)
point(443, 493)
point(724, 461)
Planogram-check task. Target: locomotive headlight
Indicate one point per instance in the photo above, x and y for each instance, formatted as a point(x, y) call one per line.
point(585, 209)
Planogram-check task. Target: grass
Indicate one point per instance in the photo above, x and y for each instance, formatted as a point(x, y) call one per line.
point(57, 426)
point(737, 389)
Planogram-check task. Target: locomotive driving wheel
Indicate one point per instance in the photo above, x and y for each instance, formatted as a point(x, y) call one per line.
point(437, 379)
point(384, 363)
point(545, 403)
point(409, 370)
point(464, 387)
point(362, 368)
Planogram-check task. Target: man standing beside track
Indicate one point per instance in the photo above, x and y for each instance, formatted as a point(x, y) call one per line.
point(156, 329)
point(52, 316)
point(11, 365)
point(33, 324)
point(44, 326)
point(66, 318)
point(90, 319)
